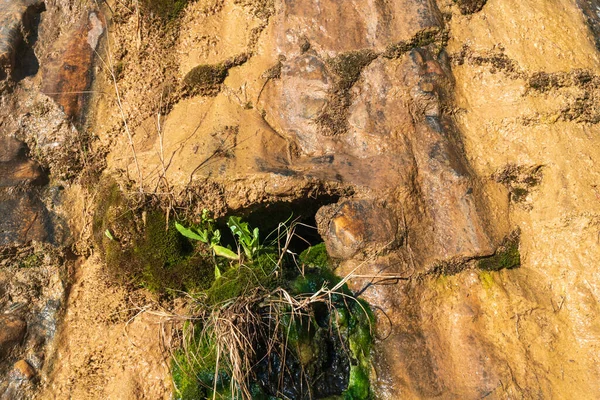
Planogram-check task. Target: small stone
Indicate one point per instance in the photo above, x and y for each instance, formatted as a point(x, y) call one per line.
point(426, 87)
point(356, 226)
point(23, 370)
point(12, 331)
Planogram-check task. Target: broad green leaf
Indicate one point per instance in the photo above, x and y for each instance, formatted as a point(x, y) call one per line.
point(188, 232)
point(240, 229)
point(217, 272)
point(224, 252)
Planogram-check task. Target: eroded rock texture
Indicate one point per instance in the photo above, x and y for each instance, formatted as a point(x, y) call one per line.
point(428, 131)
point(45, 71)
point(444, 127)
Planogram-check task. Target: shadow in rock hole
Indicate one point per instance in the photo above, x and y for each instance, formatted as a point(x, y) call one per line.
point(26, 63)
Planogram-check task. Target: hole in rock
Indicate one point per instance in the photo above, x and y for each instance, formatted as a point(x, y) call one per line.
point(268, 216)
point(26, 63)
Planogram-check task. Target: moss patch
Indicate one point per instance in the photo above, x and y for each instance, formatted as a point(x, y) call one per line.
point(421, 39)
point(168, 261)
point(470, 6)
point(506, 257)
point(326, 348)
point(316, 257)
point(206, 79)
point(486, 279)
point(346, 68)
point(150, 254)
point(165, 10)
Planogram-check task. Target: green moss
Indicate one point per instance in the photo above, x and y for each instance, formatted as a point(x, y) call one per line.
point(316, 339)
point(168, 260)
point(149, 255)
point(32, 260)
point(486, 279)
point(113, 213)
point(166, 10)
point(359, 384)
point(316, 257)
point(205, 80)
point(193, 372)
point(506, 257)
point(239, 280)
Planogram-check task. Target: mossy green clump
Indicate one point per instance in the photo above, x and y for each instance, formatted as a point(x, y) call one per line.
point(360, 340)
point(167, 11)
point(32, 260)
point(240, 280)
point(205, 80)
point(168, 261)
point(326, 347)
point(506, 257)
point(193, 370)
point(316, 257)
point(146, 253)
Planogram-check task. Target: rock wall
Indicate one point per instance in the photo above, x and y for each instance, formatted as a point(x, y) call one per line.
point(450, 147)
point(445, 128)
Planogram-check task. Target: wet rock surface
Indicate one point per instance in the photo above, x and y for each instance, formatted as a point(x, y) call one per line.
point(40, 155)
point(428, 131)
point(387, 105)
point(13, 331)
point(67, 74)
point(25, 217)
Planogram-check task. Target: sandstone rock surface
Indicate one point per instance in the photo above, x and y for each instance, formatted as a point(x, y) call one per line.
point(429, 131)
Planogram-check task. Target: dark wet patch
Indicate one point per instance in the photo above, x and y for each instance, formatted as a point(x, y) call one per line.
point(264, 166)
point(268, 216)
point(590, 9)
point(470, 6)
point(18, 31)
point(24, 218)
point(26, 62)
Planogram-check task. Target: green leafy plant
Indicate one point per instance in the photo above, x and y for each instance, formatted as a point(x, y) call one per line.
point(248, 239)
point(265, 321)
point(206, 233)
